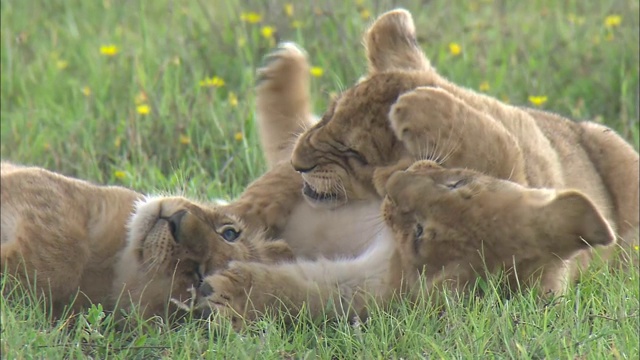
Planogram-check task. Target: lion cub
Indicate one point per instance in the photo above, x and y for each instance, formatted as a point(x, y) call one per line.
point(60, 235)
point(464, 224)
point(449, 225)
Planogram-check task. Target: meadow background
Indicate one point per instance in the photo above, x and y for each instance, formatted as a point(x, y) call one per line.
point(158, 96)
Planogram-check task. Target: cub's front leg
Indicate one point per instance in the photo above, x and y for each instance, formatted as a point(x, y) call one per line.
point(247, 290)
point(435, 125)
point(267, 202)
point(283, 102)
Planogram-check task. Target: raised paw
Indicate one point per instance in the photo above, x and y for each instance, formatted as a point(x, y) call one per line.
point(287, 66)
point(427, 121)
point(283, 104)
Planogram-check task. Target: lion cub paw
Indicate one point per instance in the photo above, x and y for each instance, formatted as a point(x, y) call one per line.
point(426, 121)
point(284, 69)
point(226, 293)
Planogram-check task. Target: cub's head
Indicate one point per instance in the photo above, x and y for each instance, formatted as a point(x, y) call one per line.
point(338, 157)
point(455, 221)
point(174, 243)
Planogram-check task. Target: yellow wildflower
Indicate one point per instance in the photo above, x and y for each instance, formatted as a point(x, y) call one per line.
point(109, 50)
point(117, 142)
point(288, 9)
point(637, 248)
point(212, 82)
point(484, 86)
point(233, 99)
point(61, 64)
point(455, 49)
point(143, 109)
point(612, 21)
point(267, 32)
point(251, 17)
point(316, 71)
point(365, 14)
point(185, 140)
point(238, 136)
point(86, 91)
point(296, 24)
point(119, 174)
point(537, 100)
point(141, 98)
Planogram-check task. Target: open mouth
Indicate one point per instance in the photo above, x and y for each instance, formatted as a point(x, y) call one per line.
point(312, 194)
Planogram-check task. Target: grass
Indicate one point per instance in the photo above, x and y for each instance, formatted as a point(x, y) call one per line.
point(69, 108)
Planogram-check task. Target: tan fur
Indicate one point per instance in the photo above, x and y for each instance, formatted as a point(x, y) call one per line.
point(461, 214)
point(404, 108)
point(404, 111)
point(455, 230)
point(60, 235)
point(283, 106)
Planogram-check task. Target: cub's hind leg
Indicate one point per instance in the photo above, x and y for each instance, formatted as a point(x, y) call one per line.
point(435, 125)
point(47, 260)
point(283, 106)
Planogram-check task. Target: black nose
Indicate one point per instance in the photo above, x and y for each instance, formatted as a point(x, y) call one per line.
point(301, 169)
point(205, 289)
point(174, 223)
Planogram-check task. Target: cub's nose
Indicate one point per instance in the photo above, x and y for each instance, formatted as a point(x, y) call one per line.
point(174, 224)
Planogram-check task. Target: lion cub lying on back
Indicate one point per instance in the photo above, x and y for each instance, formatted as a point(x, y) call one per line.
point(452, 225)
point(60, 235)
point(465, 224)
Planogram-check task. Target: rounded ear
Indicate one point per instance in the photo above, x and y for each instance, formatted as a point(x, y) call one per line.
point(572, 213)
point(391, 44)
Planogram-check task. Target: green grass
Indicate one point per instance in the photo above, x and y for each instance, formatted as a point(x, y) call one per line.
point(187, 144)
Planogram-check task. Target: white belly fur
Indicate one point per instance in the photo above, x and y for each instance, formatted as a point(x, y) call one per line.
point(344, 232)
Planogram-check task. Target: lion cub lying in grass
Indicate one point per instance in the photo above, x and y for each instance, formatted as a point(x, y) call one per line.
point(466, 224)
point(60, 235)
point(451, 225)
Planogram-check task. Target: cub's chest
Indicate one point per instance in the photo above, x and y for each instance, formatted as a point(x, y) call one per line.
point(337, 233)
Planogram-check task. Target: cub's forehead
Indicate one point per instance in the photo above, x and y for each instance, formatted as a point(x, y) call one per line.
point(217, 216)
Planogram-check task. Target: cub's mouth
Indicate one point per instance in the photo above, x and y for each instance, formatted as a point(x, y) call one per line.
point(318, 198)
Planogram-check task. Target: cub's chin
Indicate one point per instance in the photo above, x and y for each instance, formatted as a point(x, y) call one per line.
point(322, 200)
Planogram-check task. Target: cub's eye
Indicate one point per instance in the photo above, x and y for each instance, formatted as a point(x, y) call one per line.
point(456, 183)
point(356, 155)
point(418, 231)
point(229, 233)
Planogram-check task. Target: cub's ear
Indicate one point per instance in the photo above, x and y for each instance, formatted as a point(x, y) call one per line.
point(572, 213)
point(391, 44)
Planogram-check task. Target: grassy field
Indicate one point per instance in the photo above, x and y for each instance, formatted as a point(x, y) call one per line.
point(158, 96)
